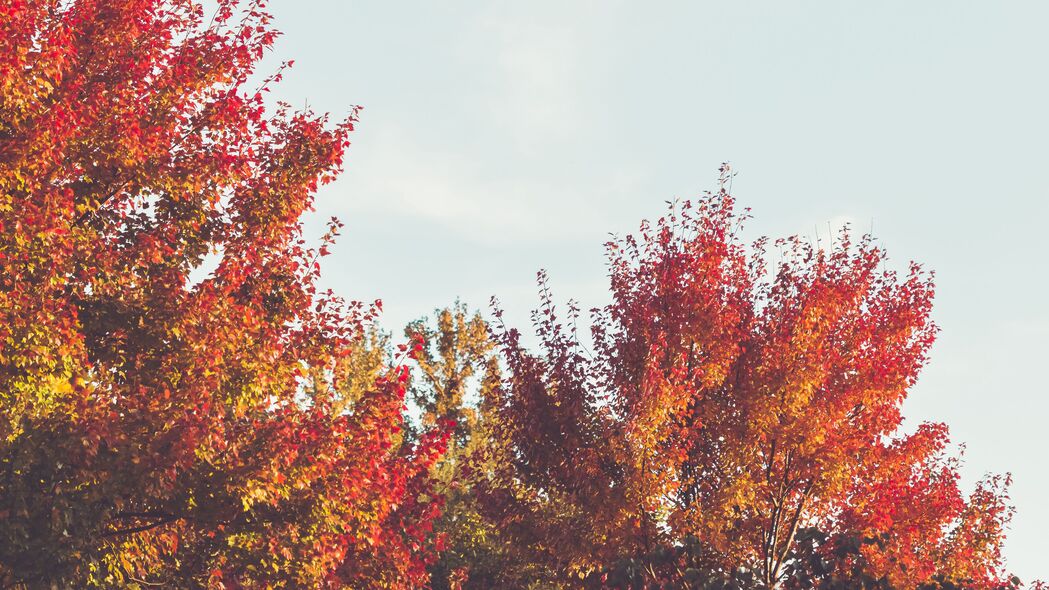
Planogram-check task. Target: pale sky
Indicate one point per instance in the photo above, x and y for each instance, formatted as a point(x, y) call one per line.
point(501, 138)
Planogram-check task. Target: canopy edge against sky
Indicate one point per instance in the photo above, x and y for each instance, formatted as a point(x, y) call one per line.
point(500, 138)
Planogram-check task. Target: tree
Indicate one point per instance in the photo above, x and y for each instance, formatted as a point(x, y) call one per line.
point(452, 355)
point(160, 424)
point(457, 373)
point(736, 404)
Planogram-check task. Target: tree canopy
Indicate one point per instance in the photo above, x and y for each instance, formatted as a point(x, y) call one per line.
point(160, 424)
point(729, 404)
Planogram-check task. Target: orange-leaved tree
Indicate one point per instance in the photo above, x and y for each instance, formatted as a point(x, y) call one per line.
point(161, 424)
point(728, 406)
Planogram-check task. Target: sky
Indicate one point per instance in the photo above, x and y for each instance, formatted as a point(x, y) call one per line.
point(499, 138)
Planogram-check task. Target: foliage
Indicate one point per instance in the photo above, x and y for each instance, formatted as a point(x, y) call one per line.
point(158, 424)
point(456, 374)
point(735, 403)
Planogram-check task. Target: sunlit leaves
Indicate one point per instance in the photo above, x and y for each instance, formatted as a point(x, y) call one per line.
point(735, 394)
point(160, 423)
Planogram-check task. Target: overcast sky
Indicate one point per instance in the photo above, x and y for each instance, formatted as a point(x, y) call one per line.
point(500, 138)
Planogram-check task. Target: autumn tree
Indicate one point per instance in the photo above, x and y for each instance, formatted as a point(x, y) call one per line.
point(455, 374)
point(161, 424)
point(453, 355)
point(730, 403)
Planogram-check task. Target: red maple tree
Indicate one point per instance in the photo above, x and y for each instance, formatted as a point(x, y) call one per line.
point(735, 404)
point(160, 424)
